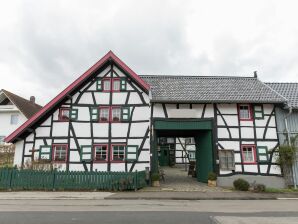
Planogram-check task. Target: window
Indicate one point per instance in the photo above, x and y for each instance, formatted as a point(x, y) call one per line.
point(258, 112)
point(123, 84)
point(64, 114)
point(244, 112)
point(74, 114)
point(100, 152)
point(45, 152)
point(118, 152)
point(104, 114)
point(262, 153)
point(14, 119)
point(60, 152)
point(111, 84)
point(192, 155)
point(116, 114)
point(94, 114)
point(86, 153)
point(116, 84)
point(131, 152)
point(226, 159)
point(248, 154)
point(106, 85)
point(125, 113)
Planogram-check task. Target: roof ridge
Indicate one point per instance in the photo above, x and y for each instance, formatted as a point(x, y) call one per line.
point(281, 82)
point(196, 76)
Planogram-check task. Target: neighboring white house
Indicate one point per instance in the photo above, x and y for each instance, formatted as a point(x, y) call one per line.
point(14, 111)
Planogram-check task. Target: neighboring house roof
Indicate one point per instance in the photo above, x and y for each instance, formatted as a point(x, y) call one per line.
point(217, 89)
point(26, 107)
point(287, 90)
point(60, 97)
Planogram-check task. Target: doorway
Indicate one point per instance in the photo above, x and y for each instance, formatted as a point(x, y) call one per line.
point(202, 153)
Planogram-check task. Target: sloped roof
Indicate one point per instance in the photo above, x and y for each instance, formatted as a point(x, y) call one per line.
point(61, 96)
point(27, 107)
point(217, 89)
point(287, 90)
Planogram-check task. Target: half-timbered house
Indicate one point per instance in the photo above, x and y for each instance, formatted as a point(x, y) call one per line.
point(111, 119)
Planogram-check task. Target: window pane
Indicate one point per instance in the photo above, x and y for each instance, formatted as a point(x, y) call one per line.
point(116, 113)
point(107, 84)
point(248, 154)
point(100, 152)
point(104, 114)
point(244, 112)
point(118, 152)
point(60, 153)
point(14, 119)
point(116, 85)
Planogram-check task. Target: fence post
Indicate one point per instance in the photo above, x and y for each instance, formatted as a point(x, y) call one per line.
point(54, 179)
point(11, 176)
point(136, 180)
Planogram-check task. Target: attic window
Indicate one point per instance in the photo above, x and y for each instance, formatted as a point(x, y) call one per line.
point(64, 114)
point(244, 112)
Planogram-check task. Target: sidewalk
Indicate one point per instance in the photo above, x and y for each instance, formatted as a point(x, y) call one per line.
point(200, 196)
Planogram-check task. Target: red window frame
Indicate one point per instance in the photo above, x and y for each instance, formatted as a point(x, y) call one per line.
point(249, 112)
point(112, 153)
point(99, 115)
point(60, 116)
point(111, 114)
point(103, 86)
point(54, 150)
point(94, 153)
point(113, 80)
point(253, 151)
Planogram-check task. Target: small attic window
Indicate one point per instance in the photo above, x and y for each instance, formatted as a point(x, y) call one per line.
point(64, 114)
point(244, 112)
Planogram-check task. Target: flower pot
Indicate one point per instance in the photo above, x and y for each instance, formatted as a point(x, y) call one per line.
point(211, 183)
point(155, 183)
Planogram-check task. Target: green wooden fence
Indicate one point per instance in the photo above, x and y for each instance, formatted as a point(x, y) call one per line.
point(14, 179)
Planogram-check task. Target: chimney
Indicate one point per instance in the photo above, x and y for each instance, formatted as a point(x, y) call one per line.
point(255, 74)
point(32, 99)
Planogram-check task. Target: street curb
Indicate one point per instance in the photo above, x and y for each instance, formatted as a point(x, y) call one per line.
point(187, 199)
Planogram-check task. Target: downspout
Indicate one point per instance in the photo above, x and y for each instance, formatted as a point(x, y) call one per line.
point(290, 144)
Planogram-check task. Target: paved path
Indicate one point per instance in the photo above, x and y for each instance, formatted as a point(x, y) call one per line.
point(176, 179)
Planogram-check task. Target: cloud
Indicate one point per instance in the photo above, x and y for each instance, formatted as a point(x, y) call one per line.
point(47, 44)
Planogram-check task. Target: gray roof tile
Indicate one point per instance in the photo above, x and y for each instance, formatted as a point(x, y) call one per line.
point(204, 89)
point(287, 90)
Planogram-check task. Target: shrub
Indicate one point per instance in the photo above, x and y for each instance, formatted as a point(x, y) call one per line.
point(241, 184)
point(260, 188)
point(212, 176)
point(155, 177)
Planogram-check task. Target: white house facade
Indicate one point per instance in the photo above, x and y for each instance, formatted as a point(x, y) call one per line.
point(13, 112)
point(111, 119)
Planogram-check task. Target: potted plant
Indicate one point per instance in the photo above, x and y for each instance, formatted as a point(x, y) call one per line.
point(212, 177)
point(155, 180)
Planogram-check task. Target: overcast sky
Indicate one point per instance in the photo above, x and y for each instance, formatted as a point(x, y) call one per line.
point(45, 45)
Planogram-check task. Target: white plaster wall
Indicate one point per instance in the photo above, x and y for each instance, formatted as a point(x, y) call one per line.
point(247, 133)
point(138, 129)
point(100, 129)
point(251, 168)
point(86, 98)
point(102, 97)
point(235, 145)
point(60, 129)
point(119, 97)
point(74, 156)
point(82, 129)
point(83, 113)
point(100, 166)
point(158, 111)
point(119, 129)
point(18, 153)
point(43, 131)
point(227, 108)
point(134, 98)
point(141, 113)
point(5, 127)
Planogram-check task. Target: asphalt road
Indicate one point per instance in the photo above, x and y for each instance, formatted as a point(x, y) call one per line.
point(95, 209)
point(133, 217)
